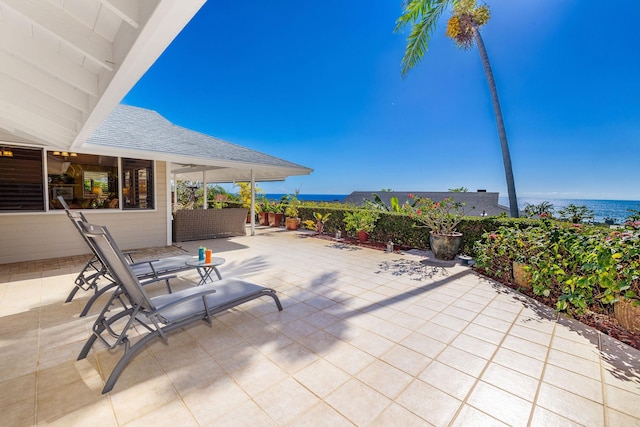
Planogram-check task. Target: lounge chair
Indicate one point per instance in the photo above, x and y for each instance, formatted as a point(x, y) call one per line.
point(93, 270)
point(157, 315)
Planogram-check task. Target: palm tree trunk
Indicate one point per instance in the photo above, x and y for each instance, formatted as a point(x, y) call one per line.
point(502, 133)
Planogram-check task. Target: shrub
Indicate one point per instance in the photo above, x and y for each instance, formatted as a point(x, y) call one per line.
point(361, 220)
point(577, 267)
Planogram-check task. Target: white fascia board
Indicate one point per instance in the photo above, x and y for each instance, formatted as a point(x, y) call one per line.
point(163, 25)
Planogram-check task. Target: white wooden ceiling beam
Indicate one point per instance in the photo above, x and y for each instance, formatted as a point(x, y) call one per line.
point(29, 126)
point(43, 82)
point(127, 10)
point(42, 57)
point(54, 20)
point(25, 97)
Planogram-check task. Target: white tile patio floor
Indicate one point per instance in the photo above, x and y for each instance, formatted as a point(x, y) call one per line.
point(366, 338)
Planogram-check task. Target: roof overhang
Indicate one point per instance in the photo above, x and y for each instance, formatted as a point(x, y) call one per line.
point(235, 173)
point(67, 64)
point(189, 168)
point(141, 133)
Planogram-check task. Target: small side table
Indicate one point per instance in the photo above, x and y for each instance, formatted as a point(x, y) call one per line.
point(206, 268)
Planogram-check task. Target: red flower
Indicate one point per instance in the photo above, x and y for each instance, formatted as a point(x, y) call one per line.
point(493, 236)
point(410, 195)
point(419, 212)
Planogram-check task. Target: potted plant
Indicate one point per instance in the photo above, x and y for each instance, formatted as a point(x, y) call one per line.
point(320, 220)
point(244, 193)
point(441, 218)
point(292, 222)
point(362, 221)
point(275, 211)
point(263, 214)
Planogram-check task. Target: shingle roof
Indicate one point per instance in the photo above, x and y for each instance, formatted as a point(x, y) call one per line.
point(132, 128)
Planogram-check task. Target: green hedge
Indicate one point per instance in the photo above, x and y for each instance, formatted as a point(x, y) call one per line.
point(401, 230)
point(575, 267)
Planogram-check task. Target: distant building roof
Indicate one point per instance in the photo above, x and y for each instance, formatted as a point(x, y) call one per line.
point(475, 202)
point(137, 131)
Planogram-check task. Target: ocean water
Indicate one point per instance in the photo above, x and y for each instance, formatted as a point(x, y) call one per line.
point(616, 209)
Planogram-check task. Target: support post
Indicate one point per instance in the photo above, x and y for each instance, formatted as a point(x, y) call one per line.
point(253, 204)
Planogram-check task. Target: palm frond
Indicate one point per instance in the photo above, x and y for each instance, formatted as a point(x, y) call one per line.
point(423, 15)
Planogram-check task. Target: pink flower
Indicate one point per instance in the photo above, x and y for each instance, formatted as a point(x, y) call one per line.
point(493, 236)
point(419, 212)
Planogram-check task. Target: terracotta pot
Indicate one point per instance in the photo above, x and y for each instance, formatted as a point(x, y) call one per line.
point(521, 277)
point(627, 314)
point(292, 223)
point(363, 236)
point(445, 246)
point(275, 219)
point(263, 218)
point(319, 227)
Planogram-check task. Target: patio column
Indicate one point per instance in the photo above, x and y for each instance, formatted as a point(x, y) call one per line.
point(253, 204)
point(204, 190)
point(173, 199)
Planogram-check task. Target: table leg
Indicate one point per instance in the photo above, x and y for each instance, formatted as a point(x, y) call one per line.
point(205, 274)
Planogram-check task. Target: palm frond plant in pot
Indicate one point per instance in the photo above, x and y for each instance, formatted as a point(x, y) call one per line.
point(292, 222)
point(441, 218)
point(320, 220)
point(362, 221)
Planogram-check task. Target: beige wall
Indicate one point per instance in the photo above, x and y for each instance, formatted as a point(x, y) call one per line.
point(35, 236)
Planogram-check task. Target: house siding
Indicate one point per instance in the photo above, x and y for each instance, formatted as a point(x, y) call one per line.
point(36, 236)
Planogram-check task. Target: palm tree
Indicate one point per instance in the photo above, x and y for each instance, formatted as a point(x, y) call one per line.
point(464, 28)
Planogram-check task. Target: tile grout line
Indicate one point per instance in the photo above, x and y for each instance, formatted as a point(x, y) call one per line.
point(479, 376)
point(544, 369)
point(605, 412)
point(37, 382)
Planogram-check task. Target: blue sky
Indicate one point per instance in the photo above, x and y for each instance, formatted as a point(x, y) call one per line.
point(318, 84)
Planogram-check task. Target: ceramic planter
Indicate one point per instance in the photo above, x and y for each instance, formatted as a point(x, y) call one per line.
point(445, 246)
point(521, 277)
point(263, 218)
point(275, 219)
point(363, 236)
point(292, 223)
point(627, 314)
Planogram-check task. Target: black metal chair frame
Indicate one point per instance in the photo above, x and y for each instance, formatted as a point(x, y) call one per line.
point(150, 270)
point(157, 315)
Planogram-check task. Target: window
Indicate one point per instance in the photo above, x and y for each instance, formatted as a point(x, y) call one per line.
point(137, 184)
point(85, 181)
point(21, 180)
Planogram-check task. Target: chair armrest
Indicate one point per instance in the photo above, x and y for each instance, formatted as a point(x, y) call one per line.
point(128, 255)
point(157, 279)
point(149, 261)
point(184, 296)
